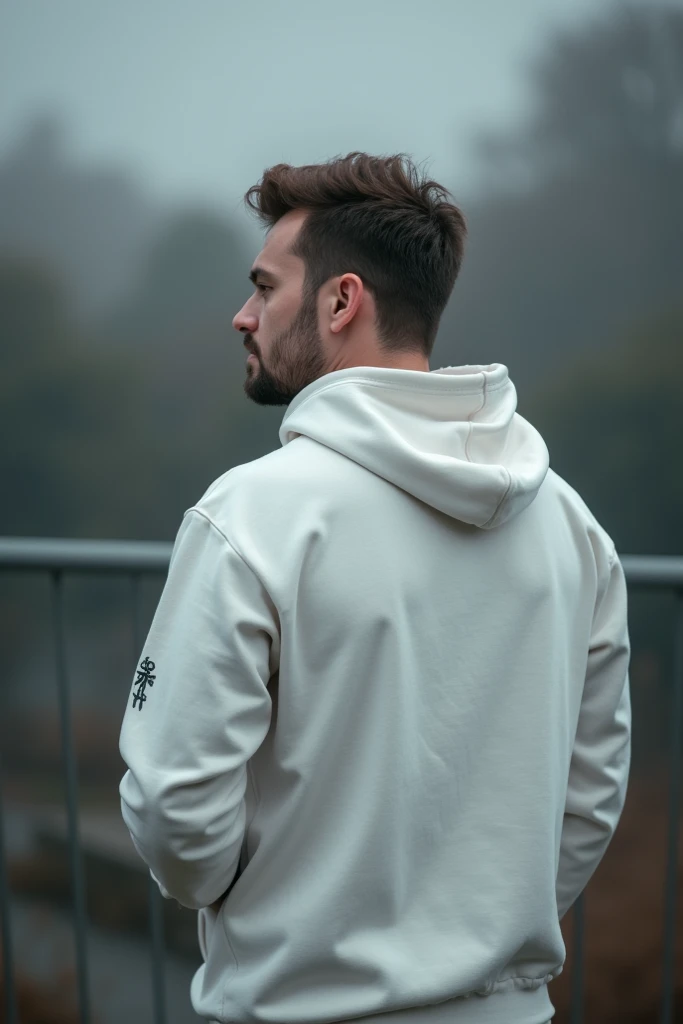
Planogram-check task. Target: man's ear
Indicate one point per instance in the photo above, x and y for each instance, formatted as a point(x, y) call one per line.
point(347, 299)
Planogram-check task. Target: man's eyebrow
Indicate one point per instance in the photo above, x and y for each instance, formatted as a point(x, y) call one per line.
point(261, 272)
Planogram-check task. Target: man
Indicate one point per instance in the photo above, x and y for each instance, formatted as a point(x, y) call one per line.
point(380, 732)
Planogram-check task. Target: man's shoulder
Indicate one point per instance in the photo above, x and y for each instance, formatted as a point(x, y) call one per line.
point(287, 474)
point(577, 510)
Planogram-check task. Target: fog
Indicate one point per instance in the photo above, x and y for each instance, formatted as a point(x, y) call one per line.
point(198, 99)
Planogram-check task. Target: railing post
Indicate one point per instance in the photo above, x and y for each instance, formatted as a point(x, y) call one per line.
point(69, 760)
point(670, 889)
point(156, 910)
point(9, 990)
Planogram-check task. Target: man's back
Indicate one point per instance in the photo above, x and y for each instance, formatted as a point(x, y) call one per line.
point(447, 749)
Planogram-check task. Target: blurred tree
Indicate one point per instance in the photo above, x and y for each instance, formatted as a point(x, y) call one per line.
point(613, 422)
point(69, 418)
point(189, 280)
point(88, 221)
point(118, 440)
point(608, 91)
point(579, 232)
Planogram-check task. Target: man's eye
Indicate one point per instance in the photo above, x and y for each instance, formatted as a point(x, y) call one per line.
point(265, 287)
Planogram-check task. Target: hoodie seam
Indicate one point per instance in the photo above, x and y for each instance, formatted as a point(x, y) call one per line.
point(227, 540)
point(469, 419)
point(503, 499)
point(504, 496)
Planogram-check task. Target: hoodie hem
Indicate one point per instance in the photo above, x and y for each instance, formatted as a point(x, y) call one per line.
point(514, 1006)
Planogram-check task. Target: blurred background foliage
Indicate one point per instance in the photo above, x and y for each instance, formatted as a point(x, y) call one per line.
point(122, 375)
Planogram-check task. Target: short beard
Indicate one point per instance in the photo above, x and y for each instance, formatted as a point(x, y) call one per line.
point(297, 357)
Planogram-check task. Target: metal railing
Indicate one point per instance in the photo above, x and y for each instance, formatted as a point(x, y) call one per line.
point(134, 559)
point(75, 556)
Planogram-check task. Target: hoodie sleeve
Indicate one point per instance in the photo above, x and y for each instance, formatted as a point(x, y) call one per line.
point(600, 763)
point(198, 710)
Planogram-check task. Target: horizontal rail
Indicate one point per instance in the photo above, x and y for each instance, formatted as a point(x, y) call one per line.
point(154, 556)
point(84, 555)
point(653, 570)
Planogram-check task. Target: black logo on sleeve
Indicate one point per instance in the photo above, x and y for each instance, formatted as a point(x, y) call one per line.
point(144, 679)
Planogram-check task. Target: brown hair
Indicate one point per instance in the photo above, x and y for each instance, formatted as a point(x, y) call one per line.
point(374, 217)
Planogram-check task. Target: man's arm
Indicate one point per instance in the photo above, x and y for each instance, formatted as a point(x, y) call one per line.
point(598, 774)
point(198, 710)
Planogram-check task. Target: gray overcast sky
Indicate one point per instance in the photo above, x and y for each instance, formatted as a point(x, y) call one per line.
point(199, 97)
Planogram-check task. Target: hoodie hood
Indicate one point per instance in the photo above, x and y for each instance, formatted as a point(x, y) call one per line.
point(451, 437)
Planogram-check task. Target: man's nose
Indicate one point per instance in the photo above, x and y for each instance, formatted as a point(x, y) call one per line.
point(244, 321)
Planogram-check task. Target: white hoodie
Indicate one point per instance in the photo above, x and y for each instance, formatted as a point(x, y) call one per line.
point(385, 700)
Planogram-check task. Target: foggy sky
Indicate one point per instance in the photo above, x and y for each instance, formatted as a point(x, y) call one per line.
point(199, 97)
